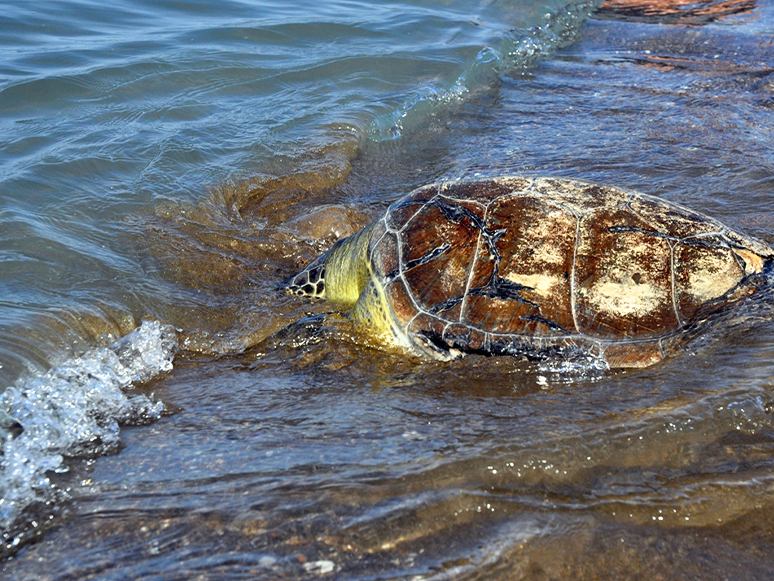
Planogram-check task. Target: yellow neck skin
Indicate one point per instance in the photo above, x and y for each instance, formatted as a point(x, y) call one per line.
point(347, 270)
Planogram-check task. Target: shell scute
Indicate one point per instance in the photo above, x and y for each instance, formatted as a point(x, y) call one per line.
point(380, 229)
point(703, 273)
point(483, 267)
point(536, 252)
point(401, 212)
point(623, 277)
point(673, 221)
point(443, 290)
point(399, 298)
point(437, 254)
point(498, 315)
point(384, 255)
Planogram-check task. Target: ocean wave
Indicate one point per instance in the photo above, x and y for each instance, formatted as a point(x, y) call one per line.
point(512, 51)
point(73, 410)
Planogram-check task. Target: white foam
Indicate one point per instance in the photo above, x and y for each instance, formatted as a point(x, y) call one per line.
point(74, 410)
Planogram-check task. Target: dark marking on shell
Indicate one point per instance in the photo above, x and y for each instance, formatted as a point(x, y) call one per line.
point(446, 305)
point(434, 253)
point(499, 288)
point(554, 326)
point(456, 213)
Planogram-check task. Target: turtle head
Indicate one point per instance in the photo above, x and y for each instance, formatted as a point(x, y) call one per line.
point(310, 282)
point(340, 274)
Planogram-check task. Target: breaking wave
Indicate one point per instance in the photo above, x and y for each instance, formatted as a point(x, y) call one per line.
point(73, 410)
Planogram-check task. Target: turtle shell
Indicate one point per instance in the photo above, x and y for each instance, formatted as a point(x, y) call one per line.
point(549, 266)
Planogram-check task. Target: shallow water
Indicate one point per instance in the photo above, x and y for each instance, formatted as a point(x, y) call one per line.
point(175, 162)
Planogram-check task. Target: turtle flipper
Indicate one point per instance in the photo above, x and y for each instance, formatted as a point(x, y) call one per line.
point(435, 347)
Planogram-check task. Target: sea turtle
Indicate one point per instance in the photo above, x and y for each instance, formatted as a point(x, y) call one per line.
point(539, 267)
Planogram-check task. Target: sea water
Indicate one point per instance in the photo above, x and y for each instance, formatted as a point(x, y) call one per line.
point(169, 413)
